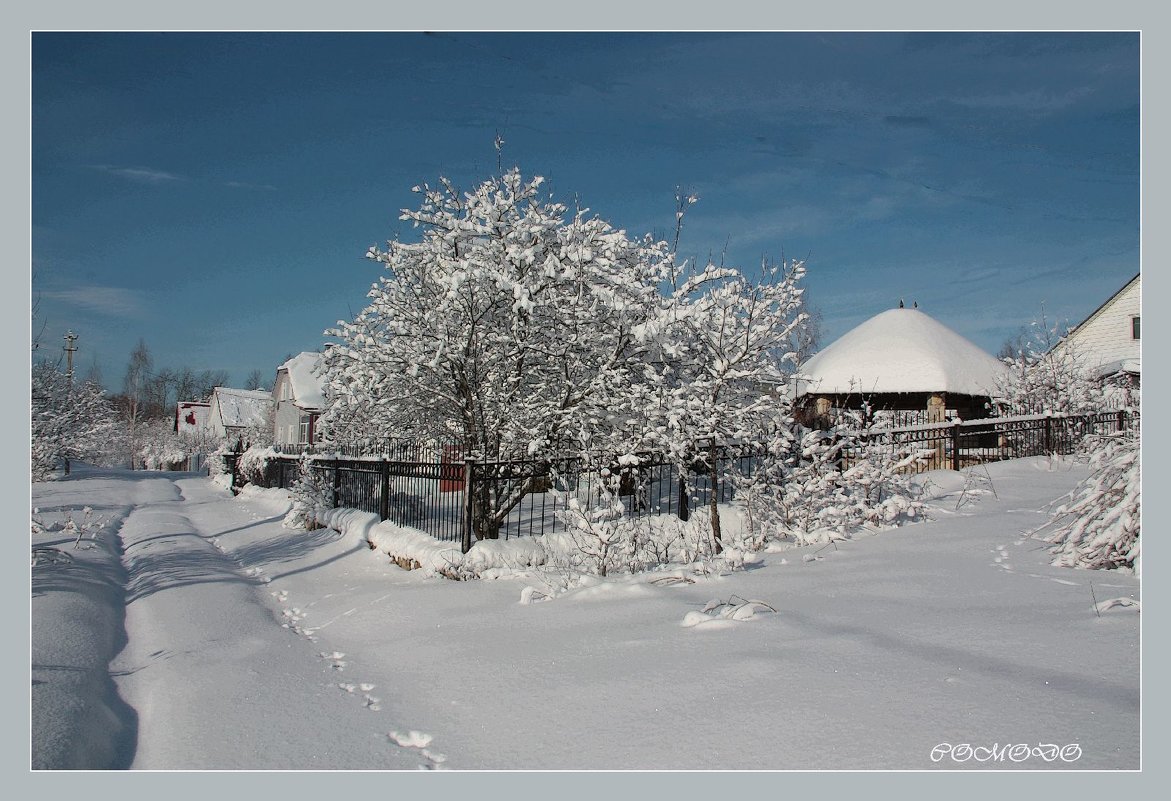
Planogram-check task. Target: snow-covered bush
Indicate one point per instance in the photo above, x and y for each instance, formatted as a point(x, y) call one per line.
point(253, 464)
point(1098, 524)
point(818, 486)
point(88, 526)
point(70, 420)
point(602, 534)
point(159, 447)
point(312, 494)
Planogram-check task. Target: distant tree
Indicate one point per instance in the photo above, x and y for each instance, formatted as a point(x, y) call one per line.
point(37, 328)
point(134, 392)
point(159, 388)
point(207, 381)
point(94, 374)
point(255, 381)
point(1015, 346)
point(1046, 374)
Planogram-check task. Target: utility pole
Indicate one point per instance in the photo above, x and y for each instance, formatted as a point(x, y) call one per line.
point(70, 349)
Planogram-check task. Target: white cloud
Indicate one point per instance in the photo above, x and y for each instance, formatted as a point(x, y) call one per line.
point(108, 300)
point(140, 174)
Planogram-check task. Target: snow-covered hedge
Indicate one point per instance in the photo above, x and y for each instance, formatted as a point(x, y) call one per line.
point(820, 486)
point(658, 541)
point(254, 462)
point(1098, 524)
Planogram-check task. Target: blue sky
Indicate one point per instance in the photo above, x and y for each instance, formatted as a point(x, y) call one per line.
point(214, 194)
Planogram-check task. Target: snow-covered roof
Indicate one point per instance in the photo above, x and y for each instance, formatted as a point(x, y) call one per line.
point(241, 407)
point(307, 386)
point(1120, 366)
point(901, 350)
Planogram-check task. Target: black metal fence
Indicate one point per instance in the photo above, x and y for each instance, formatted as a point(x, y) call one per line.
point(457, 499)
point(958, 445)
point(439, 491)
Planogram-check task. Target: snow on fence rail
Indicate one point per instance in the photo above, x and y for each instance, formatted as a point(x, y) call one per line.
point(436, 489)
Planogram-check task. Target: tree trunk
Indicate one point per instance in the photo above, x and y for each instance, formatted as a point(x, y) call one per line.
point(713, 465)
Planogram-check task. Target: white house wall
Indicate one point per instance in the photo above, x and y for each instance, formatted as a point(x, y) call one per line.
point(1105, 337)
point(286, 413)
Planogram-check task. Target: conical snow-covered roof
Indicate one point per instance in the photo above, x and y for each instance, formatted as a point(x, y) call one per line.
point(901, 350)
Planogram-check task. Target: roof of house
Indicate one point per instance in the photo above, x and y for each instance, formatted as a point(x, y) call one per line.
point(900, 351)
point(240, 408)
point(308, 387)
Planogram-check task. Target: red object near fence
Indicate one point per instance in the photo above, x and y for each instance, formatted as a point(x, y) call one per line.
point(451, 469)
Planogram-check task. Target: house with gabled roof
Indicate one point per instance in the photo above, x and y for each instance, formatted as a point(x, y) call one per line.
point(233, 412)
point(298, 397)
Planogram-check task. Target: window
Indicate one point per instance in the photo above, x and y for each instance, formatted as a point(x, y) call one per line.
point(1134, 327)
point(304, 429)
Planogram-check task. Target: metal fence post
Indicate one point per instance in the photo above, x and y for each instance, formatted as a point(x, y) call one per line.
point(1048, 434)
point(684, 509)
point(1122, 419)
point(384, 502)
point(469, 510)
point(337, 478)
point(955, 446)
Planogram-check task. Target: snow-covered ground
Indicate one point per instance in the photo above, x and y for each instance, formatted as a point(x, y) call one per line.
point(237, 643)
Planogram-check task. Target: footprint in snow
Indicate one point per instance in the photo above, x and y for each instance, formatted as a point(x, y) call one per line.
point(410, 739)
point(348, 687)
point(435, 757)
point(372, 703)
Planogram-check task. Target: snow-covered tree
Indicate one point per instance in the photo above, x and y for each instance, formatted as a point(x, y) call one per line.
point(1098, 524)
point(1046, 374)
point(511, 326)
point(722, 339)
point(70, 420)
point(311, 494)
